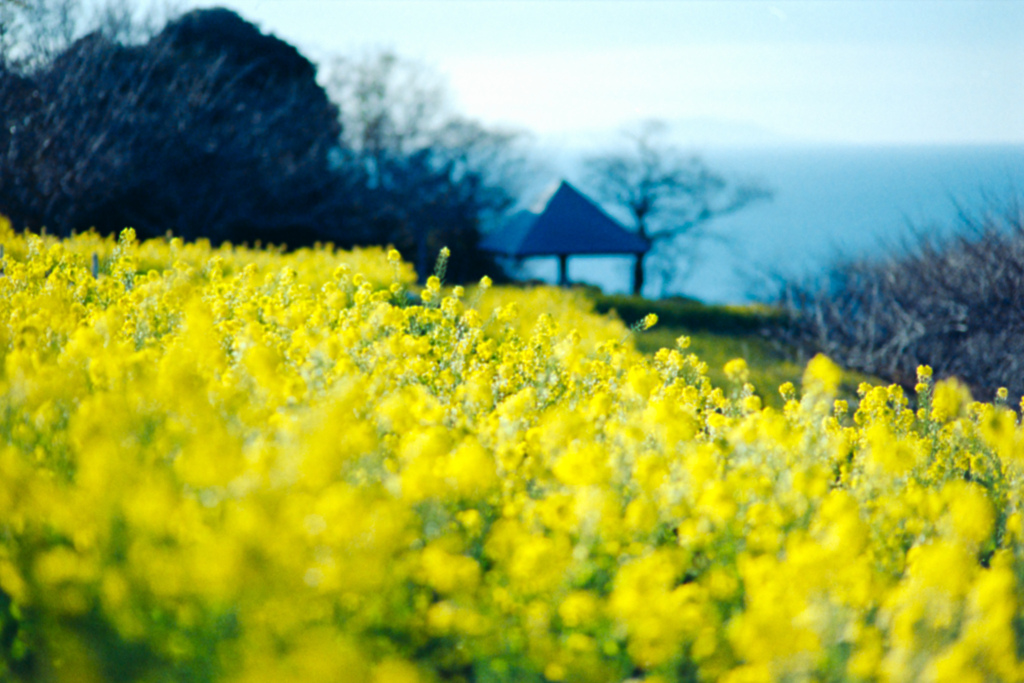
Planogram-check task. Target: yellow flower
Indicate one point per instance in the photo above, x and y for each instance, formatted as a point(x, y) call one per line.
point(822, 376)
point(371, 489)
point(579, 609)
point(737, 371)
point(447, 573)
point(949, 399)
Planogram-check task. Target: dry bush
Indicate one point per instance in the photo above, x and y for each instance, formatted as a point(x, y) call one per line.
point(954, 303)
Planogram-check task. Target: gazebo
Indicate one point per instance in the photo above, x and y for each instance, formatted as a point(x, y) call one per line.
point(569, 224)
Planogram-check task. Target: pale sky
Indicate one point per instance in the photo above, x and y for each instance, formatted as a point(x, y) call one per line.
point(828, 71)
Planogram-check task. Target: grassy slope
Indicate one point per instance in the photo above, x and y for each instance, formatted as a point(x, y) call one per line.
point(717, 335)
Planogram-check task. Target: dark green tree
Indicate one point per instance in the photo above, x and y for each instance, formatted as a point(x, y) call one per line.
point(208, 129)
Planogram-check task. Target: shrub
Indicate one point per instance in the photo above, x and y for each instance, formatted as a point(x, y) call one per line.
point(210, 129)
point(954, 303)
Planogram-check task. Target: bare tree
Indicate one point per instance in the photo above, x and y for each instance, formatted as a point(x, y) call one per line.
point(121, 20)
point(669, 194)
point(431, 177)
point(34, 32)
point(390, 106)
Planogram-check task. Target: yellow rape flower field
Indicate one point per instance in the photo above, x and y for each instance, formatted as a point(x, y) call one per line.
point(240, 465)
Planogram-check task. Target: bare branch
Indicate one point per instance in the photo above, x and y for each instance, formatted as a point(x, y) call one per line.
point(669, 194)
point(428, 177)
point(956, 305)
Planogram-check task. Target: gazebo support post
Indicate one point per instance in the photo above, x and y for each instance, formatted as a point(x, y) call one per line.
point(638, 275)
point(563, 270)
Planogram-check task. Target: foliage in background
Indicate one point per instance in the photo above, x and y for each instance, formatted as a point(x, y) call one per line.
point(954, 303)
point(205, 127)
point(209, 129)
point(233, 465)
point(428, 177)
point(692, 314)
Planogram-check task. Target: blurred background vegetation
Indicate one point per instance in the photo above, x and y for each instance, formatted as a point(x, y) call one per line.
point(198, 124)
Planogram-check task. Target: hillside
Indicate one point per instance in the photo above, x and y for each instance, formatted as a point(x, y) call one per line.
point(719, 334)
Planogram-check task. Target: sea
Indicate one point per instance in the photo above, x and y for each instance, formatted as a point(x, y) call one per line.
point(828, 203)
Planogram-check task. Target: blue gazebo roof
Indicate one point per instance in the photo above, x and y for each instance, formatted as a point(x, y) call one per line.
point(569, 224)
